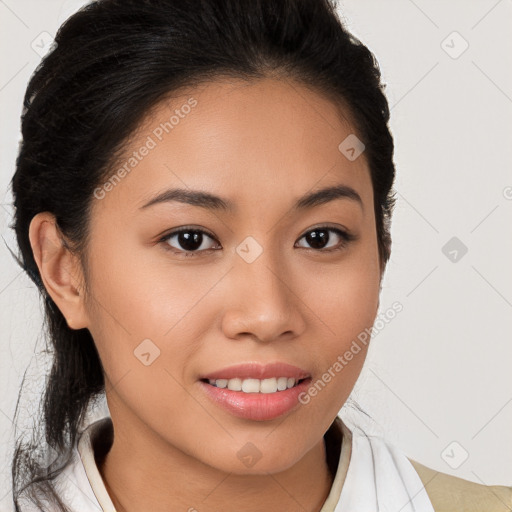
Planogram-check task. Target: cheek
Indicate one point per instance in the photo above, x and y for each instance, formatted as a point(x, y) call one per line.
point(147, 321)
point(346, 300)
point(346, 296)
point(133, 330)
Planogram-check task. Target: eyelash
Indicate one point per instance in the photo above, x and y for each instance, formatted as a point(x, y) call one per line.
point(346, 239)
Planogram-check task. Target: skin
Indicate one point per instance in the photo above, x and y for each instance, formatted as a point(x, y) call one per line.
point(261, 144)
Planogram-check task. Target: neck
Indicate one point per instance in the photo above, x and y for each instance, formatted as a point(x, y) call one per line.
point(143, 476)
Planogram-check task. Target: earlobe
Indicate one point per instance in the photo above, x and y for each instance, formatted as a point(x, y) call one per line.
point(59, 268)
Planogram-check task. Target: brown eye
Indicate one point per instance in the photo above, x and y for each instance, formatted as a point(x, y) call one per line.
point(188, 241)
point(318, 239)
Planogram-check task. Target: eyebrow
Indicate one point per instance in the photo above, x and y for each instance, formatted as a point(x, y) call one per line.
point(212, 202)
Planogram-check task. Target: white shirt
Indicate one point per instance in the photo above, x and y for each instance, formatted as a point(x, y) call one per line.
point(372, 475)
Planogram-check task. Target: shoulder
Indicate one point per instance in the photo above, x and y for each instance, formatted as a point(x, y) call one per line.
point(452, 494)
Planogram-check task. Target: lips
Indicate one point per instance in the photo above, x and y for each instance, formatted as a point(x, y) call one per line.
point(258, 371)
point(256, 406)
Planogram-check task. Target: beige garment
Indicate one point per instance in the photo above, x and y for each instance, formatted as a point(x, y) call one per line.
point(452, 494)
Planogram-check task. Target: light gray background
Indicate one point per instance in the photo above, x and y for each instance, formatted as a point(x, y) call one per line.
point(440, 372)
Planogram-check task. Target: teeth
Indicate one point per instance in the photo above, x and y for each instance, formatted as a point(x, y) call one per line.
point(282, 383)
point(255, 385)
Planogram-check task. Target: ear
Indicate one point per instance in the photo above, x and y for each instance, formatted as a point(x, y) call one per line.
point(60, 269)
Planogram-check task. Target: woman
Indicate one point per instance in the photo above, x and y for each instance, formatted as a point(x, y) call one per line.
point(203, 196)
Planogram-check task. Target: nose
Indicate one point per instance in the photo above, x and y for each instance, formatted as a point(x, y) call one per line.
point(263, 303)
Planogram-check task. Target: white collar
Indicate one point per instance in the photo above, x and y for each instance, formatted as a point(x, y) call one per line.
point(380, 477)
point(86, 450)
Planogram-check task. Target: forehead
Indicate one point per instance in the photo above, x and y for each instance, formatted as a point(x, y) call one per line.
point(265, 141)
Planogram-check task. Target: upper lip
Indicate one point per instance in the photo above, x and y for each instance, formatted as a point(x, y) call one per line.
point(258, 371)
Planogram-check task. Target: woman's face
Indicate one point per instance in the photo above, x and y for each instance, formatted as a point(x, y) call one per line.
point(259, 284)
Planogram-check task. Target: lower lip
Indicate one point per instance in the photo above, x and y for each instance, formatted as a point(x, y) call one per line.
point(256, 406)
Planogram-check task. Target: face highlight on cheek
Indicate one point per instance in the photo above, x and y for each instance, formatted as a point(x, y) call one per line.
point(206, 352)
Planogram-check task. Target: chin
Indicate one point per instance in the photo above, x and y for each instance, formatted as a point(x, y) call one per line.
point(251, 460)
